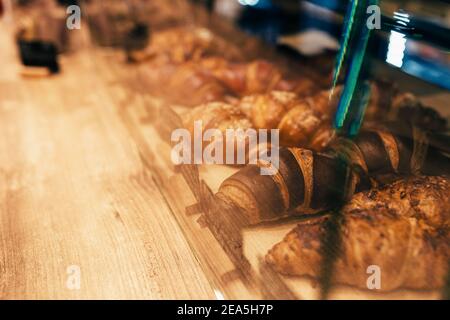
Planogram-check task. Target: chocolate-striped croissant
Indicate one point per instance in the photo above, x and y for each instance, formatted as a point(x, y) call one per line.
point(308, 182)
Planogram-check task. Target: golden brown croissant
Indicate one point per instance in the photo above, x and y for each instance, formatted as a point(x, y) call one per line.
point(219, 116)
point(299, 120)
point(190, 86)
point(258, 76)
point(402, 228)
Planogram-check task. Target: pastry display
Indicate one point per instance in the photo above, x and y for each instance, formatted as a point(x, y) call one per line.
point(306, 122)
point(389, 177)
point(385, 182)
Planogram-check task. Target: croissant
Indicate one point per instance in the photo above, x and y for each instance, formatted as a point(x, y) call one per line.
point(302, 122)
point(217, 115)
point(220, 116)
point(258, 76)
point(308, 182)
point(402, 228)
point(191, 86)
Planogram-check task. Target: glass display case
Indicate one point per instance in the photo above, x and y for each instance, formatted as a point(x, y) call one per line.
point(304, 212)
point(234, 109)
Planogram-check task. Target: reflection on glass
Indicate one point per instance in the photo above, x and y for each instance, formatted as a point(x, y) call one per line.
point(248, 2)
point(396, 49)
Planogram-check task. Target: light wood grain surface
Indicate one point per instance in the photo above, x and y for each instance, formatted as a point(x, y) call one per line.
point(74, 191)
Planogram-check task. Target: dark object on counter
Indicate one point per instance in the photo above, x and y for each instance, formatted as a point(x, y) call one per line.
point(39, 54)
point(138, 37)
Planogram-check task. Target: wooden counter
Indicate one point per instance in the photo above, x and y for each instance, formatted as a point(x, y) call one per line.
point(74, 192)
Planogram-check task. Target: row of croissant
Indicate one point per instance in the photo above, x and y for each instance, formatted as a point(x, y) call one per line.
point(391, 180)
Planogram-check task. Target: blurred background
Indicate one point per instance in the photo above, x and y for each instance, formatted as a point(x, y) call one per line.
point(313, 26)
